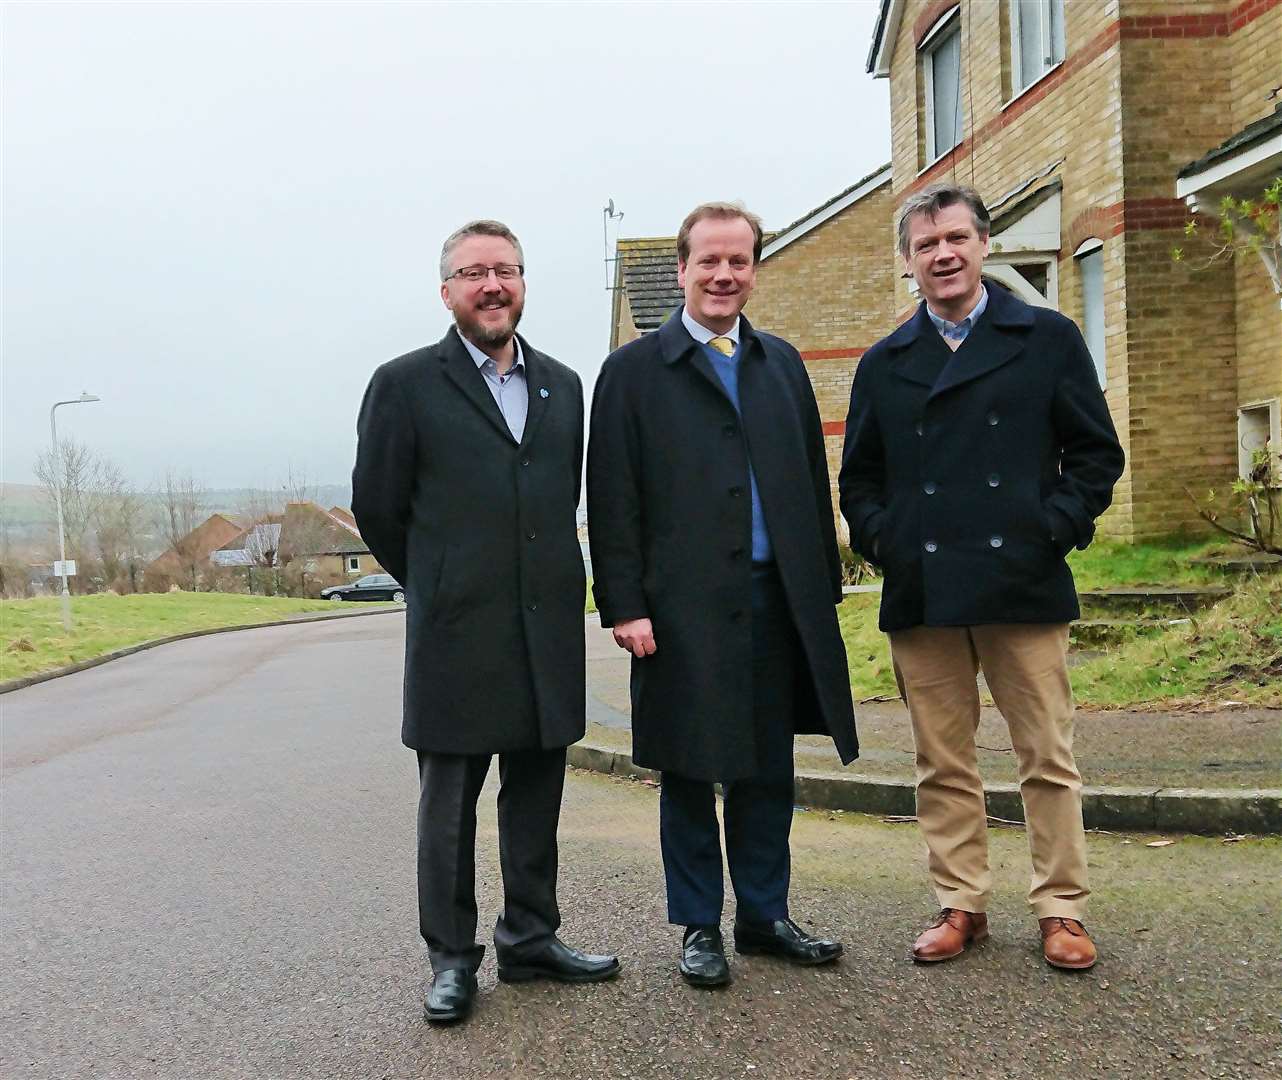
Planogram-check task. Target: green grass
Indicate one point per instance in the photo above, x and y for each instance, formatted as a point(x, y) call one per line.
point(1230, 652)
point(106, 622)
point(589, 605)
point(1109, 564)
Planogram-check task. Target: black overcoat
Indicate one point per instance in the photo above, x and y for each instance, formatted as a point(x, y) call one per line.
point(481, 532)
point(969, 476)
point(670, 525)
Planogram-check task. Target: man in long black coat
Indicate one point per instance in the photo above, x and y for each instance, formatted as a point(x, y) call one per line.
point(979, 452)
point(714, 556)
point(466, 487)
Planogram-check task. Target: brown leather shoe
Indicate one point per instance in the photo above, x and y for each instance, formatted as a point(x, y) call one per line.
point(1066, 944)
point(948, 936)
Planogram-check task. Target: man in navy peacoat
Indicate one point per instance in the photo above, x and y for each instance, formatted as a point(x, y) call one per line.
point(466, 485)
point(979, 451)
point(715, 559)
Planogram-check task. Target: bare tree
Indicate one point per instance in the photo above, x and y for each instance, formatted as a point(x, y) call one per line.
point(181, 504)
point(120, 516)
point(79, 473)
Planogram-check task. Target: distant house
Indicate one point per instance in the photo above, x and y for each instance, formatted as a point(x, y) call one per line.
point(194, 549)
point(259, 545)
point(323, 542)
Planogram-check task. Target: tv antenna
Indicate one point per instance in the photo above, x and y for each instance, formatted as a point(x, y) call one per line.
point(609, 214)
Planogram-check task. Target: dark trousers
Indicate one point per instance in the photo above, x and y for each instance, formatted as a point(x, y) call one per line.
point(757, 810)
point(529, 807)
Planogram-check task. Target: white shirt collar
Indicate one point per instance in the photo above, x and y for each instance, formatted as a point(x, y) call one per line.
point(702, 334)
point(481, 359)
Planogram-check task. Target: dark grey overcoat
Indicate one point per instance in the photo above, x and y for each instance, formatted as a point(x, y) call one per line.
point(670, 524)
point(969, 476)
point(481, 532)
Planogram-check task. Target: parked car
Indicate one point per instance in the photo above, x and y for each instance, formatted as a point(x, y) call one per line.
point(370, 587)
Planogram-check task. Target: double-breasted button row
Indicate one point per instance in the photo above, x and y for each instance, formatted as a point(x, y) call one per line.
point(932, 546)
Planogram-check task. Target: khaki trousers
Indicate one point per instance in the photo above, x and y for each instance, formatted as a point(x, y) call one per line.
point(1026, 670)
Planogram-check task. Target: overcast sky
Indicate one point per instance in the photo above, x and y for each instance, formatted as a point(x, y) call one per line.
point(221, 217)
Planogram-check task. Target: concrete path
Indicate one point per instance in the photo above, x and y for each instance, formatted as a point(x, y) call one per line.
point(1235, 748)
point(207, 869)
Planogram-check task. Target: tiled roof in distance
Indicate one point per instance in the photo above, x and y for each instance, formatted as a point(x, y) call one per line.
point(649, 269)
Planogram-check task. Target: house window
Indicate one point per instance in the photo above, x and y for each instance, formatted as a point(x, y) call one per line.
point(353, 564)
point(1090, 266)
point(1258, 428)
point(1037, 39)
point(941, 78)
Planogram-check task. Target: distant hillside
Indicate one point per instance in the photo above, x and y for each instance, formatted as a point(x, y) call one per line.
point(22, 505)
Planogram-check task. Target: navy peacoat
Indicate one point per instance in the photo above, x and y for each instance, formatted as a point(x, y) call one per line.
point(481, 531)
point(969, 476)
point(670, 524)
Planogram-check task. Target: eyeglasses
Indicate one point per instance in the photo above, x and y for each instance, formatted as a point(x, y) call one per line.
point(478, 273)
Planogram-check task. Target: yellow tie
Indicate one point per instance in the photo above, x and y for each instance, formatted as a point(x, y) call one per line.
point(723, 345)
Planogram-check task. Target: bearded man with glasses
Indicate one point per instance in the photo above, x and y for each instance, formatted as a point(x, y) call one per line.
point(466, 488)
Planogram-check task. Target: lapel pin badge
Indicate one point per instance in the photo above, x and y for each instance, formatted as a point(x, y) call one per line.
point(543, 391)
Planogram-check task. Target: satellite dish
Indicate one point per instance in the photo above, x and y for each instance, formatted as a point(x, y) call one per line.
point(610, 208)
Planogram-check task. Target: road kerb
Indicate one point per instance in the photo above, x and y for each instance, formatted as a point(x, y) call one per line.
point(94, 661)
point(1141, 809)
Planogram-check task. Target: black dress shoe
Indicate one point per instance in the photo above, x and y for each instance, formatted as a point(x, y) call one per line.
point(784, 938)
point(703, 957)
point(557, 961)
point(450, 996)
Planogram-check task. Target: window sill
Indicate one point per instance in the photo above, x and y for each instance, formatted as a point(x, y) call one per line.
point(1034, 84)
point(938, 158)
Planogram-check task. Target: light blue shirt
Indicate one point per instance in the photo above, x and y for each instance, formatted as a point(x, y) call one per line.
point(727, 369)
point(957, 331)
point(510, 391)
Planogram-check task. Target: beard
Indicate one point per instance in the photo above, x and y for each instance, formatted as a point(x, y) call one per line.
point(479, 333)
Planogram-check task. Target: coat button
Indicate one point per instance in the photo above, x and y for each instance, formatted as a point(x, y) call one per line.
point(735, 492)
point(525, 461)
point(729, 431)
point(994, 480)
point(531, 535)
point(992, 419)
point(996, 542)
point(931, 546)
point(920, 428)
point(533, 607)
point(929, 487)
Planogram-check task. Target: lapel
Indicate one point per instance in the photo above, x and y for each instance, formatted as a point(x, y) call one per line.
point(676, 343)
point(993, 342)
point(537, 372)
point(462, 371)
point(924, 354)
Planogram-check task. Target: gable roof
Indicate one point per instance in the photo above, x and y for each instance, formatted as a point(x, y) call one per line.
point(647, 272)
point(308, 529)
point(883, 38)
point(834, 206)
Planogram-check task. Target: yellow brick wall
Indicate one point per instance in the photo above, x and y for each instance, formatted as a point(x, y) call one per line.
point(1255, 56)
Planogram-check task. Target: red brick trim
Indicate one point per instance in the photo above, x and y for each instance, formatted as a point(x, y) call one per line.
point(1213, 24)
point(833, 354)
point(834, 427)
point(930, 16)
point(1141, 214)
point(1101, 222)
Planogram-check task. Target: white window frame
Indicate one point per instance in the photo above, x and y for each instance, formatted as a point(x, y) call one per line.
point(353, 564)
point(1048, 61)
point(948, 26)
point(1094, 247)
point(1273, 410)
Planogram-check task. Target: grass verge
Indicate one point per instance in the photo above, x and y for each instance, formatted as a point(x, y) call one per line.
point(32, 639)
point(1231, 652)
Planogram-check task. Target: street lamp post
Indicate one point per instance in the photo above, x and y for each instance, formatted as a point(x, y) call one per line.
point(57, 495)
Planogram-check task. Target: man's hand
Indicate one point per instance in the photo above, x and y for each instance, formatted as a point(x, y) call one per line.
point(637, 636)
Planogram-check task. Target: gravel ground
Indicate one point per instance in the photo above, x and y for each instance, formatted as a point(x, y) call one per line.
point(207, 869)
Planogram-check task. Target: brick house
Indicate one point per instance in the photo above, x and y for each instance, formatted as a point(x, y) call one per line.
point(1090, 129)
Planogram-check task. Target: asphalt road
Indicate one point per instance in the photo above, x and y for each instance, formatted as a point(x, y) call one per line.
point(207, 870)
